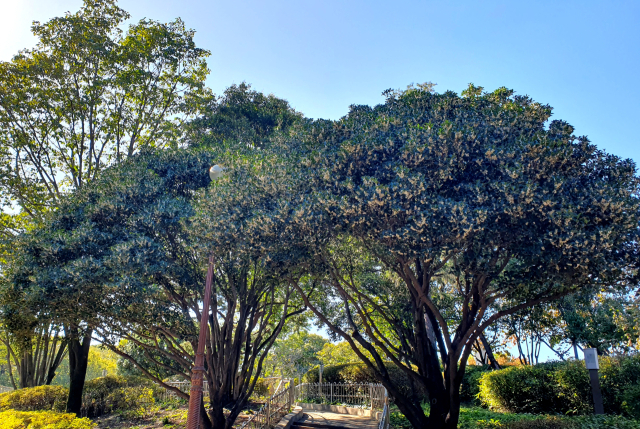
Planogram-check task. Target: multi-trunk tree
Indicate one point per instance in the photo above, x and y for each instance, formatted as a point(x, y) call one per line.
point(514, 210)
point(130, 252)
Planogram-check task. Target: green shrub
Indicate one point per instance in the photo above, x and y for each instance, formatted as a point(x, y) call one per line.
point(519, 389)
point(470, 387)
point(616, 376)
point(42, 420)
point(132, 396)
point(573, 388)
point(35, 399)
point(563, 387)
point(550, 422)
point(604, 422)
point(631, 401)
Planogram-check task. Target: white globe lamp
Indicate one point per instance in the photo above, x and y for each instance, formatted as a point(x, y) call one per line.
point(215, 172)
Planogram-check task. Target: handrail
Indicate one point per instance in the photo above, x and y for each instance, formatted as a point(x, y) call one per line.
point(365, 395)
point(276, 407)
point(384, 419)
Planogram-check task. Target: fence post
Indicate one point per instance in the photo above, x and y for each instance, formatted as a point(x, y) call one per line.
point(292, 393)
point(269, 412)
point(371, 395)
point(331, 394)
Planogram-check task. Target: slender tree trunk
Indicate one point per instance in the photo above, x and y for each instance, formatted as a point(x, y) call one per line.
point(489, 352)
point(13, 381)
point(56, 362)
point(78, 361)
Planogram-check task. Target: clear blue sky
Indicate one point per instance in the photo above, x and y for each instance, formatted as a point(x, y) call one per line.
point(581, 57)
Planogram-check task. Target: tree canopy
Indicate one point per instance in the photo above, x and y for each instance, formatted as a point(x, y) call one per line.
point(89, 95)
point(517, 211)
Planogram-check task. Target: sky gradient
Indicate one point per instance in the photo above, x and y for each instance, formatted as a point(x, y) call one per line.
point(581, 57)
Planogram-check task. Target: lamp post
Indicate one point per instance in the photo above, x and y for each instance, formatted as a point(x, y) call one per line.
point(591, 362)
point(197, 373)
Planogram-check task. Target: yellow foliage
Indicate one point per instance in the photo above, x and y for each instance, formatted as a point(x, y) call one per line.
point(42, 420)
point(100, 360)
point(34, 398)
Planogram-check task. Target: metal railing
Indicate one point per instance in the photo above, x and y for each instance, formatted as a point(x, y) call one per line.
point(276, 407)
point(384, 418)
point(183, 386)
point(360, 395)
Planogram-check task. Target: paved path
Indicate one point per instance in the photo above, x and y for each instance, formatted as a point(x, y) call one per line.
point(328, 419)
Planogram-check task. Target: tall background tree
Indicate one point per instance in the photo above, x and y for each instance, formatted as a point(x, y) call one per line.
point(89, 95)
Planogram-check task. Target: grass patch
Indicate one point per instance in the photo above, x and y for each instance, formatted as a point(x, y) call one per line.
point(481, 418)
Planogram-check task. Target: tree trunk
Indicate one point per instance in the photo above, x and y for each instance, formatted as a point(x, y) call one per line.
point(453, 393)
point(205, 421)
point(412, 412)
point(487, 349)
point(56, 363)
point(78, 361)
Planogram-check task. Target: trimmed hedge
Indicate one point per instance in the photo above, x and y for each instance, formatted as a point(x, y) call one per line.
point(42, 420)
point(35, 399)
point(563, 387)
point(360, 373)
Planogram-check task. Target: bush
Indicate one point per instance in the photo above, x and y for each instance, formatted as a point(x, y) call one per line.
point(35, 399)
point(617, 375)
point(563, 387)
point(360, 373)
point(631, 401)
point(519, 389)
point(470, 387)
point(132, 396)
point(261, 388)
point(42, 420)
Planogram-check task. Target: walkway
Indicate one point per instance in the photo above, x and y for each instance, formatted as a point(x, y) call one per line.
point(327, 420)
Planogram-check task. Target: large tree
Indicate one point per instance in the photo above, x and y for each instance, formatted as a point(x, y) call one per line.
point(514, 210)
point(130, 250)
point(87, 96)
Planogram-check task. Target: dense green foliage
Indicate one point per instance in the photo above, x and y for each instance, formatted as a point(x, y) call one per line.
point(470, 386)
point(241, 115)
point(481, 418)
point(563, 387)
point(89, 95)
point(294, 354)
